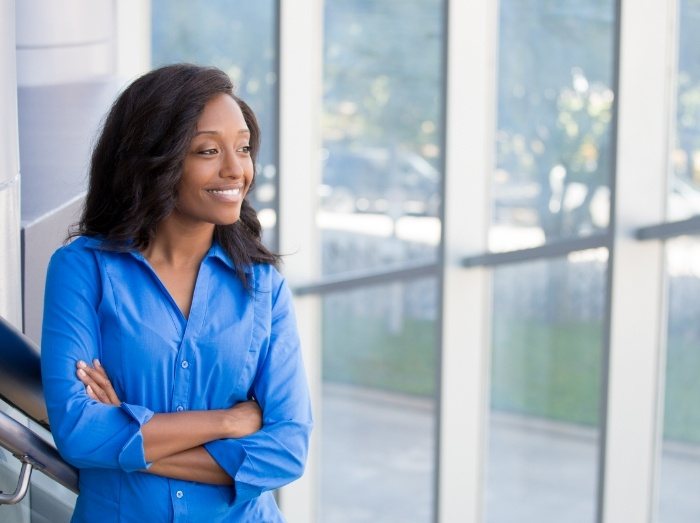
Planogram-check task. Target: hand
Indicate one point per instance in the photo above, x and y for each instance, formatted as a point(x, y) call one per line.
point(244, 419)
point(97, 383)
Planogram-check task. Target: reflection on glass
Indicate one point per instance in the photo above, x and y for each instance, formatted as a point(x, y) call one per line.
point(239, 37)
point(379, 199)
point(680, 462)
point(378, 404)
point(684, 187)
point(545, 390)
point(555, 104)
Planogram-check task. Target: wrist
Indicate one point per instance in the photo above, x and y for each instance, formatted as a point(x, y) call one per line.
point(228, 424)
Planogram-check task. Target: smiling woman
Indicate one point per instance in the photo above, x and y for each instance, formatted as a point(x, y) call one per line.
point(170, 357)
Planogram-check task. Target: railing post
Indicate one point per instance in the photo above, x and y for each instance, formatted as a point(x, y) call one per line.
point(25, 474)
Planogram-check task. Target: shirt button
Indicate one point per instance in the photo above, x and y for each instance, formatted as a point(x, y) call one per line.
point(179, 494)
point(185, 364)
point(180, 408)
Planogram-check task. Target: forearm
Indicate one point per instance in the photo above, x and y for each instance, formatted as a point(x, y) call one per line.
point(194, 464)
point(170, 434)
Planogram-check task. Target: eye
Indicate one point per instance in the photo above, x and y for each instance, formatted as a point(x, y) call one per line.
point(245, 149)
point(208, 152)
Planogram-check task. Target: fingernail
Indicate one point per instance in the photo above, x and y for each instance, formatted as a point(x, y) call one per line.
point(81, 373)
point(81, 364)
point(89, 389)
point(97, 362)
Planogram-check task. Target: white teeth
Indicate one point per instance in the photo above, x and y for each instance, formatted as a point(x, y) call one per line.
point(228, 192)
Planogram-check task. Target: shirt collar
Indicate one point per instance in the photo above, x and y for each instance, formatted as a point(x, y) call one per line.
point(215, 251)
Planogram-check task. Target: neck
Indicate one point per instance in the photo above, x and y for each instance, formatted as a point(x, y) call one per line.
point(179, 244)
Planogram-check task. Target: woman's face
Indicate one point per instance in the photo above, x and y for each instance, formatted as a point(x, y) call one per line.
point(218, 169)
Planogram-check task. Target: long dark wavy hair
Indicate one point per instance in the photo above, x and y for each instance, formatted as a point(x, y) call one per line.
point(138, 160)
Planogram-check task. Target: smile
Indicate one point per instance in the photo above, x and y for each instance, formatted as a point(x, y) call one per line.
point(229, 195)
point(227, 192)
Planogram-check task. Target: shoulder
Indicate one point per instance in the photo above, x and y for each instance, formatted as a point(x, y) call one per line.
point(75, 267)
point(82, 247)
point(266, 277)
point(269, 282)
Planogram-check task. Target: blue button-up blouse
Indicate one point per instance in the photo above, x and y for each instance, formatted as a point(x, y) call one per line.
point(236, 344)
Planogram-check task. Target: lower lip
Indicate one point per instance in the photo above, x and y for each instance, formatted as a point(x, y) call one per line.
point(225, 198)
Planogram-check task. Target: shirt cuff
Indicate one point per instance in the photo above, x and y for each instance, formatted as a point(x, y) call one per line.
point(132, 456)
point(231, 455)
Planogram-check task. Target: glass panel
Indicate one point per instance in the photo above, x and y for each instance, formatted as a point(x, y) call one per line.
point(379, 198)
point(680, 462)
point(239, 37)
point(555, 105)
point(684, 190)
point(379, 409)
point(545, 390)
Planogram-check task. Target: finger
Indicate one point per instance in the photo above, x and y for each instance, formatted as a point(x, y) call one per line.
point(101, 379)
point(106, 382)
point(87, 380)
point(91, 393)
point(105, 386)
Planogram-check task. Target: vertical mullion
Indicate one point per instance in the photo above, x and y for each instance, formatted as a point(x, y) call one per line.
point(469, 156)
point(132, 20)
point(637, 290)
point(10, 262)
point(300, 98)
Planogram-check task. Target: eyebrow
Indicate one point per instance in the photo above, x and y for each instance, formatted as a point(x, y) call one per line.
point(242, 131)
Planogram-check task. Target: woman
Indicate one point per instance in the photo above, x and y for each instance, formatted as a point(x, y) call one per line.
point(170, 358)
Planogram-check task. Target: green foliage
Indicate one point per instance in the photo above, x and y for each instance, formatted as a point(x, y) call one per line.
point(382, 73)
point(547, 370)
point(682, 401)
point(361, 350)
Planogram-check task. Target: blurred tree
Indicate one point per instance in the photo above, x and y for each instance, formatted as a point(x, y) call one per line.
point(383, 74)
point(555, 108)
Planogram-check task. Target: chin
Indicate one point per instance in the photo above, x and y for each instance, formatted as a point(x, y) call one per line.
point(229, 220)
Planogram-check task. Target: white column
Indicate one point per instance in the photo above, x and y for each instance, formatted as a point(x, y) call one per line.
point(644, 97)
point(470, 121)
point(301, 47)
point(10, 251)
point(133, 38)
point(64, 42)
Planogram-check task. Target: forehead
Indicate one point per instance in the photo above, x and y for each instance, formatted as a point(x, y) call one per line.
point(219, 112)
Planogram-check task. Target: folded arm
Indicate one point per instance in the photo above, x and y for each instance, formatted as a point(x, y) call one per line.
point(173, 442)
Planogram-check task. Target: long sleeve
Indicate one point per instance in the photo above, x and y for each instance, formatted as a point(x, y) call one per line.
point(275, 455)
point(88, 434)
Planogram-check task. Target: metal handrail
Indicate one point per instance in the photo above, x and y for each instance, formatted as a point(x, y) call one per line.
point(20, 386)
point(27, 446)
point(20, 373)
point(358, 279)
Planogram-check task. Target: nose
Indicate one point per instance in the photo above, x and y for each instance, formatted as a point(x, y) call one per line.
point(232, 166)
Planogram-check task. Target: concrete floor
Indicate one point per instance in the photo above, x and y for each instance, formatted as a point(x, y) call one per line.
point(378, 455)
